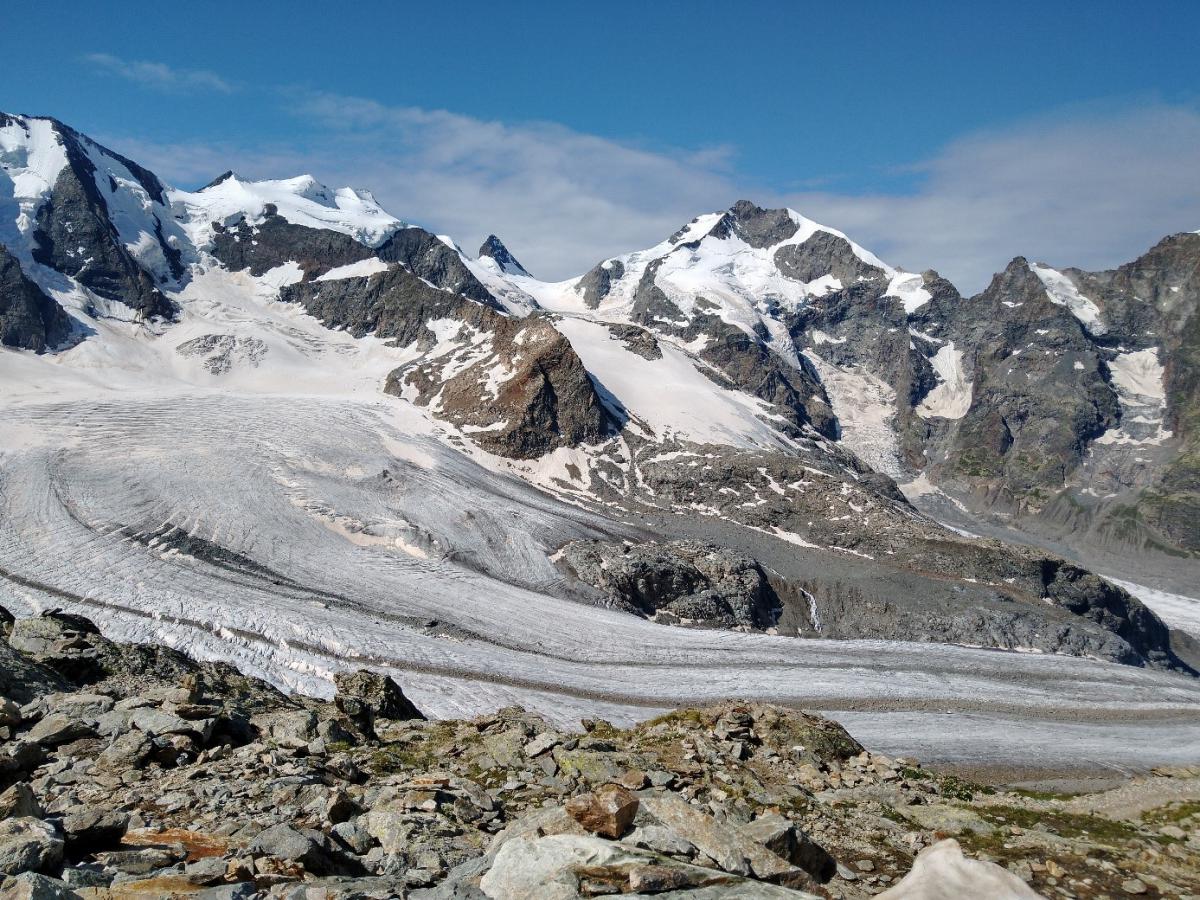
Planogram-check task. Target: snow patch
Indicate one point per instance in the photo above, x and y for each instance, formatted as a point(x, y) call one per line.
point(300, 201)
point(909, 289)
point(865, 407)
point(1062, 291)
point(360, 269)
point(951, 399)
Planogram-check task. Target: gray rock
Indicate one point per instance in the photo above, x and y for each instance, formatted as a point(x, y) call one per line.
point(29, 845)
point(32, 886)
point(781, 836)
point(29, 318)
point(546, 867)
point(292, 728)
point(365, 696)
point(305, 846)
point(947, 819)
point(58, 728)
point(732, 850)
point(90, 828)
point(19, 801)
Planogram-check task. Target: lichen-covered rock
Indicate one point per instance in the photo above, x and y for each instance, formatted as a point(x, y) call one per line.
point(28, 845)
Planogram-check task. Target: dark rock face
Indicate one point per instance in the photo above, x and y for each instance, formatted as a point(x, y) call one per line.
point(526, 394)
point(740, 360)
point(680, 581)
point(758, 227)
point(29, 319)
point(825, 254)
point(595, 285)
point(74, 233)
point(426, 256)
point(1016, 597)
point(365, 696)
point(275, 241)
point(393, 305)
point(1156, 299)
point(495, 249)
point(517, 383)
point(637, 340)
point(1031, 420)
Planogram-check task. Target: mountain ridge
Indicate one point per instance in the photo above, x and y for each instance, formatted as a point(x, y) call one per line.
point(756, 373)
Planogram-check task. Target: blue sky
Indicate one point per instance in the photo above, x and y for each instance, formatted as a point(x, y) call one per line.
point(944, 135)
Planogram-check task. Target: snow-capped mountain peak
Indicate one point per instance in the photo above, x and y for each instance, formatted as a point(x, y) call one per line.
point(301, 201)
point(493, 252)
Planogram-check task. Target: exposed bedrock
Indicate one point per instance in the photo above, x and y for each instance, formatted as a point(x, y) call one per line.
point(680, 582)
point(29, 319)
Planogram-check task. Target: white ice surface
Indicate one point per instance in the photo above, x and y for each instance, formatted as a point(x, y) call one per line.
point(909, 289)
point(865, 407)
point(1177, 610)
point(1138, 378)
point(669, 395)
point(1062, 290)
point(951, 399)
point(301, 200)
point(363, 267)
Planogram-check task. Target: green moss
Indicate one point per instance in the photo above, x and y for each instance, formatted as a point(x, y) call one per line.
point(1068, 825)
point(955, 788)
point(1172, 813)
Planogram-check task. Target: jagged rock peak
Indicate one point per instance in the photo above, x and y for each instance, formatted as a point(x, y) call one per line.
point(224, 176)
point(493, 248)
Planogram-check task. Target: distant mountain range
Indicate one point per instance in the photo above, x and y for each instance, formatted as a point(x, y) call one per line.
point(781, 423)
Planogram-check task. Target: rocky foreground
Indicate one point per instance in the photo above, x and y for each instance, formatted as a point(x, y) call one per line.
point(133, 771)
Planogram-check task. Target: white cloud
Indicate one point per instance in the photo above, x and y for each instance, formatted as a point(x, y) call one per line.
point(160, 76)
point(1092, 190)
point(1088, 190)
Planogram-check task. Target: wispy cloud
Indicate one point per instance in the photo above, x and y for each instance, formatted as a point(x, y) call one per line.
point(159, 76)
point(1091, 189)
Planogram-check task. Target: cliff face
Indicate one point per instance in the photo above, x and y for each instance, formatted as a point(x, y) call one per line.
point(29, 319)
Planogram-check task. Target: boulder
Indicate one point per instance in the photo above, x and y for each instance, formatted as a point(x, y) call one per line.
point(727, 846)
point(89, 828)
point(29, 845)
point(365, 696)
point(780, 835)
point(70, 645)
point(19, 802)
point(32, 886)
point(303, 846)
point(564, 866)
point(941, 872)
point(946, 819)
point(59, 728)
point(607, 811)
point(290, 728)
point(131, 749)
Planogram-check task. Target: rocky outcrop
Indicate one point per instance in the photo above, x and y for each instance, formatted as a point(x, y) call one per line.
point(74, 232)
point(597, 282)
point(826, 254)
point(274, 241)
point(494, 249)
point(427, 256)
point(676, 582)
point(29, 319)
point(1003, 595)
